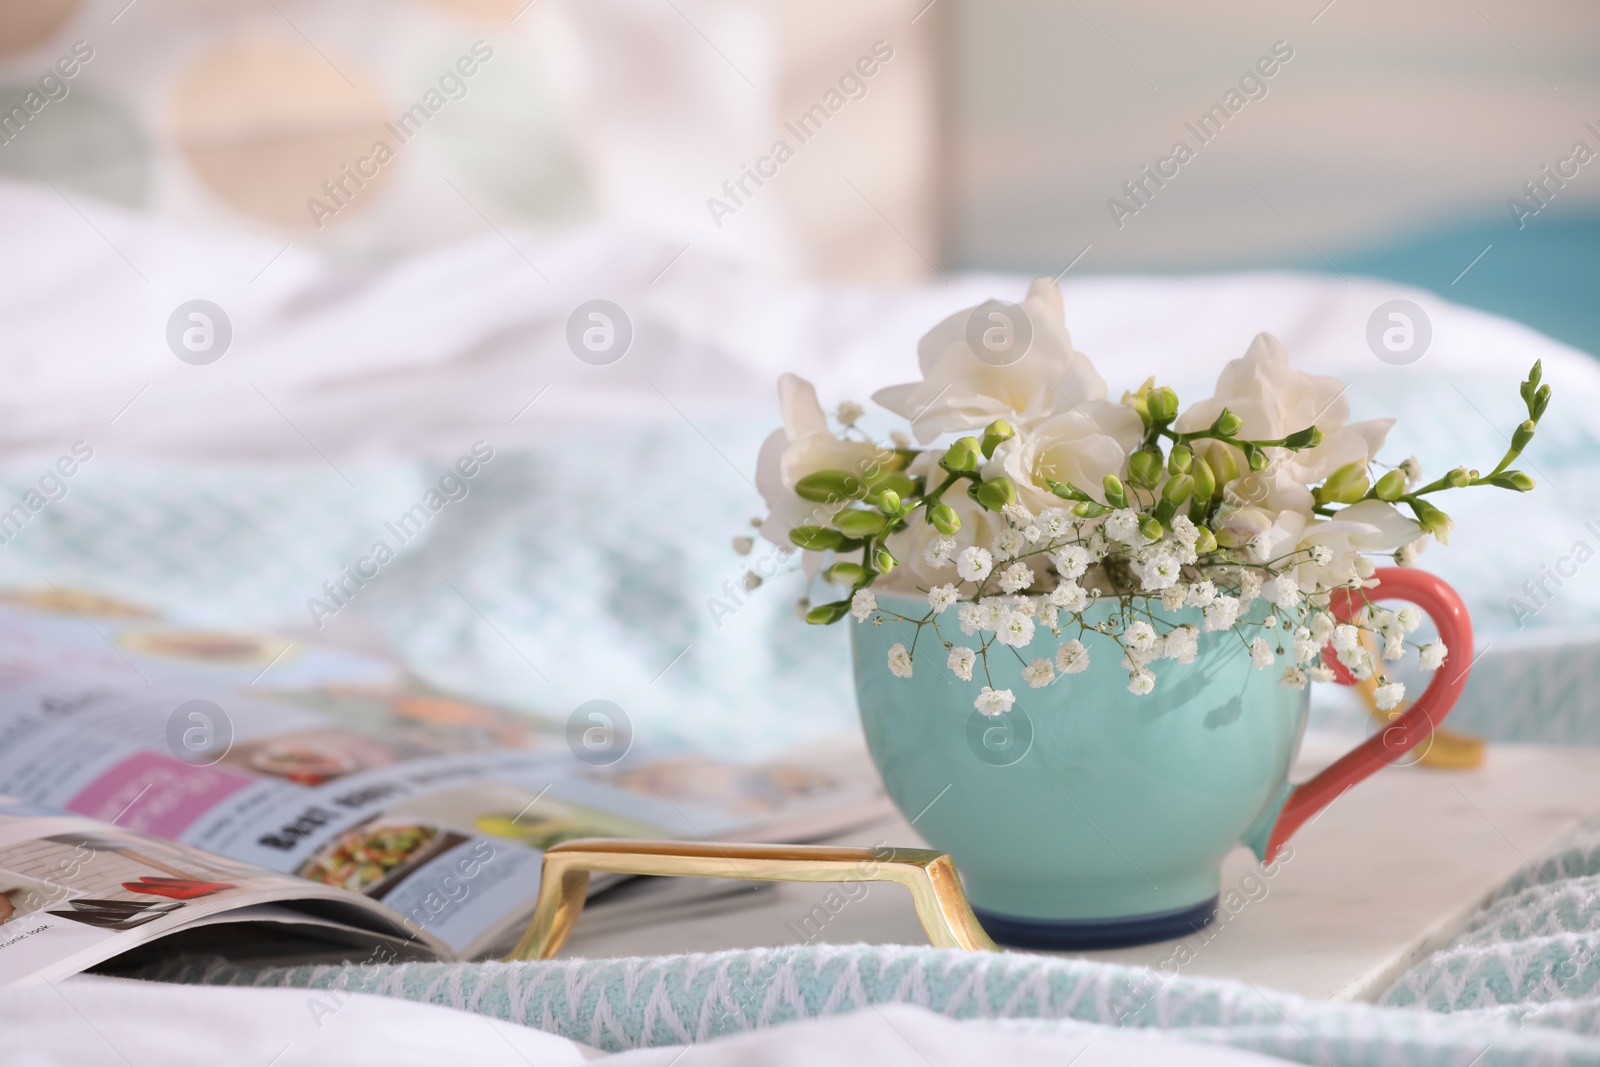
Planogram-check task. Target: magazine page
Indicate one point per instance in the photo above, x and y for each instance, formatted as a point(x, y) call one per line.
point(75, 892)
point(341, 768)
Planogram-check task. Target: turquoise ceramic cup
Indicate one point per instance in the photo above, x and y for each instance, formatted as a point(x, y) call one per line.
point(1088, 816)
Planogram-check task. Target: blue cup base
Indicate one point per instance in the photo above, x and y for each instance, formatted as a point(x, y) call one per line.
point(1088, 934)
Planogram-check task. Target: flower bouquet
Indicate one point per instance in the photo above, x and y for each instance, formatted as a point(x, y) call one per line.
point(1055, 499)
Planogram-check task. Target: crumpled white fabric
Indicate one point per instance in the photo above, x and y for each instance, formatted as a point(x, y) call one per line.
point(90, 1021)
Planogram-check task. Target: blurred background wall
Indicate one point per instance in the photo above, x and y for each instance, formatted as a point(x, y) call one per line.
point(1389, 140)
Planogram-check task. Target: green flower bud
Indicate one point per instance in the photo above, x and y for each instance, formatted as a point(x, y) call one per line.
point(1115, 495)
point(1432, 520)
point(1067, 491)
point(1516, 480)
point(944, 518)
point(859, 523)
point(1392, 486)
point(901, 483)
point(1223, 465)
point(1144, 467)
point(851, 574)
point(883, 560)
point(1346, 485)
point(1458, 478)
point(889, 502)
point(1205, 542)
point(830, 487)
point(1178, 489)
point(1255, 457)
point(1180, 459)
point(962, 455)
point(1088, 509)
point(1522, 435)
point(1310, 437)
point(815, 538)
point(1541, 400)
point(1205, 483)
point(823, 614)
point(997, 431)
point(1227, 424)
point(996, 493)
point(1162, 405)
point(1150, 526)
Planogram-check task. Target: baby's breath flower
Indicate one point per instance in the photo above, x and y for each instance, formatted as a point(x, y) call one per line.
point(1173, 596)
point(1141, 682)
point(743, 545)
point(1123, 525)
point(1052, 522)
point(1346, 638)
point(1182, 644)
point(960, 662)
point(1201, 594)
point(971, 617)
point(1261, 654)
point(1282, 592)
point(941, 597)
point(1018, 513)
point(1305, 649)
point(849, 412)
point(1072, 657)
point(899, 661)
point(1016, 577)
point(1249, 586)
point(1015, 630)
point(1322, 627)
point(1039, 673)
point(1388, 696)
point(1184, 531)
point(994, 701)
point(1321, 555)
point(1270, 622)
point(1010, 544)
point(939, 551)
point(1069, 596)
point(862, 604)
point(1140, 636)
point(1159, 572)
point(1409, 618)
point(1048, 614)
point(974, 563)
point(1032, 533)
point(1432, 655)
point(1320, 673)
point(1394, 647)
point(1294, 677)
point(1222, 613)
point(1070, 560)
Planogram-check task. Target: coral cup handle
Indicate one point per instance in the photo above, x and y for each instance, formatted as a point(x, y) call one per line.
point(1443, 604)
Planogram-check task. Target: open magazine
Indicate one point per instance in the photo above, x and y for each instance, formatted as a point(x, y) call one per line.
point(165, 789)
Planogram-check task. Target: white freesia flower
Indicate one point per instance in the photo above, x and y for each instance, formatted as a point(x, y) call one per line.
point(804, 446)
point(960, 391)
point(960, 662)
point(1040, 673)
point(941, 597)
point(974, 563)
point(1370, 526)
point(1072, 657)
point(899, 661)
point(1080, 447)
point(862, 604)
point(994, 701)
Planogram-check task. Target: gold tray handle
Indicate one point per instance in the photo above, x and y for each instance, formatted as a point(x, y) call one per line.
point(935, 887)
